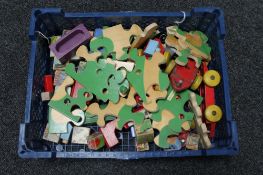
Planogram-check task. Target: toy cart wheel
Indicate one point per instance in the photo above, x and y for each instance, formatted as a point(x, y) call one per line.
point(170, 67)
point(167, 56)
point(197, 82)
point(213, 113)
point(212, 78)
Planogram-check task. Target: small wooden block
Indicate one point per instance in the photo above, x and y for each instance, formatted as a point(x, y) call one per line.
point(144, 136)
point(95, 141)
point(192, 141)
point(142, 146)
point(151, 47)
point(50, 136)
point(80, 135)
point(46, 96)
point(109, 134)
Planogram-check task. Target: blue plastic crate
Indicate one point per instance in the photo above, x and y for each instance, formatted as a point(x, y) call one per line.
point(51, 21)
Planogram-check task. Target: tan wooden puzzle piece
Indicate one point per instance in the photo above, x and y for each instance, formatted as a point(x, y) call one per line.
point(121, 37)
point(152, 96)
point(199, 125)
point(145, 35)
point(83, 52)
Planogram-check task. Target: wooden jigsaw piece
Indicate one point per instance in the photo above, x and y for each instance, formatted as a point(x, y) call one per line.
point(152, 96)
point(201, 128)
point(147, 73)
point(121, 38)
point(64, 103)
point(144, 36)
point(103, 45)
point(96, 76)
point(57, 122)
point(83, 52)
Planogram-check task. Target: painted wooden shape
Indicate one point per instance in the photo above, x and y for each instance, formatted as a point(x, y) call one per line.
point(46, 96)
point(151, 47)
point(64, 103)
point(57, 122)
point(83, 52)
point(152, 97)
point(50, 136)
point(48, 83)
point(121, 38)
point(68, 43)
point(192, 141)
point(59, 77)
point(109, 134)
point(144, 36)
point(95, 141)
point(80, 135)
point(182, 77)
point(199, 125)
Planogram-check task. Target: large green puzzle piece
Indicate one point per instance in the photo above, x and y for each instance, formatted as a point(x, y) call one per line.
point(66, 103)
point(204, 47)
point(176, 107)
point(96, 76)
point(147, 73)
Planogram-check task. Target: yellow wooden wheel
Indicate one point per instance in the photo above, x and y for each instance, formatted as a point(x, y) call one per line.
point(212, 78)
point(140, 52)
point(213, 113)
point(170, 67)
point(167, 56)
point(197, 82)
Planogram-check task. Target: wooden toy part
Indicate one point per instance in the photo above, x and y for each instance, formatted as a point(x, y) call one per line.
point(80, 135)
point(121, 64)
point(167, 56)
point(182, 77)
point(140, 52)
point(151, 47)
point(170, 67)
point(142, 146)
point(83, 52)
point(212, 78)
point(95, 141)
point(110, 79)
point(163, 128)
point(58, 122)
point(126, 115)
point(46, 96)
point(59, 77)
point(147, 73)
point(213, 113)
point(109, 134)
point(144, 36)
point(64, 103)
point(111, 109)
point(197, 82)
point(171, 41)
point(192, 141)
point(66, 136)
point(199, 125)
point(152, 96)
point(121, 38)
point(103, 45)
point(182, 59)
point(50, 137)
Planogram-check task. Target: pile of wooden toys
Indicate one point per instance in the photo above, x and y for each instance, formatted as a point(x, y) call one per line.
point(155, 84)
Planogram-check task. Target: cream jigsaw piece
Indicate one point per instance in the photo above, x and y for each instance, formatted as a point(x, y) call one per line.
point(121, 38)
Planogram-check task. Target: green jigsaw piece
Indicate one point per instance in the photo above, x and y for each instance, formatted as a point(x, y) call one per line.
point(65, 105)
point(183, 58)
point(204, 47)
point(95, 77)
point(102, 44)
point(126, 115)
point(163, 135)
point(147, 124)
point(135, 77)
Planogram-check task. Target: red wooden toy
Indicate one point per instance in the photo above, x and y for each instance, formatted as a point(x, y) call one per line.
point(48, 83)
